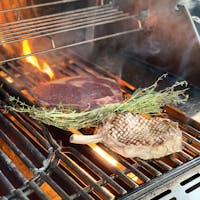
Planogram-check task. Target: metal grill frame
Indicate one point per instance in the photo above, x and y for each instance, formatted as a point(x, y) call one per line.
point(75, 20)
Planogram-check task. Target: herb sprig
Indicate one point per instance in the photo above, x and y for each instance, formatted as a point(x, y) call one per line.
point(146, 100)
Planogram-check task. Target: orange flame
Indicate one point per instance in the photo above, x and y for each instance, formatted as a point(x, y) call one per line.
point(47, 70)
point(110, 159)
point(105, 155)
point(34, 61)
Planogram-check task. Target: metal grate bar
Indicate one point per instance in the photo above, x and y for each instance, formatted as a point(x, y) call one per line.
point(75, 19)
point(6, 183)
point(75, 44)
point(16, 70)
point(20, 194)
point(148, 167)
point(124, 178)
point(54, 185)
point(41, 28)
point(30, 78)
point(51, 16)
point(162, 164)
point(54, 18)
point(12, 167)
point(37, 190)
point(196, 151)
point(133, 169)
point(193, 131)
point(98, 171)
point(120, 173)
point(37, 5)
point(6, 71)
point(187, 123)
point(175, 160)
point(24, 140)
point(13, 91)
point(193, 139)
point(33, 131)
point(65, 177)
point(185, 155)
point(62, 28)
point(91, 182)
point(23, 121)
point(18, 152)
point(29, 81)
point(147, 188)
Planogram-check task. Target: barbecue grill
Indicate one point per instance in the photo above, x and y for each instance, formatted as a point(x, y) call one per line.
point(124, 40)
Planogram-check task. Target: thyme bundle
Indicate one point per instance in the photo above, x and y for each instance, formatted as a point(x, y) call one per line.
point(146, 100)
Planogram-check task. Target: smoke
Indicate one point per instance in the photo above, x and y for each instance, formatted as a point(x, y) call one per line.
point(154, 47)
point(184, 68)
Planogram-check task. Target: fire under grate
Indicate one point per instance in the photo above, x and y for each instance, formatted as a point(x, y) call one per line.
point(37, 162)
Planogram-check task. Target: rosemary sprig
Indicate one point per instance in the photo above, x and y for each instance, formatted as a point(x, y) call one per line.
point(146, 100)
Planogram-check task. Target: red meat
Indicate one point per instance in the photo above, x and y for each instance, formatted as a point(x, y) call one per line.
point(82, 92)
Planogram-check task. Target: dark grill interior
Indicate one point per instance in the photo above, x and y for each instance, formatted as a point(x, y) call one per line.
point(37, 161)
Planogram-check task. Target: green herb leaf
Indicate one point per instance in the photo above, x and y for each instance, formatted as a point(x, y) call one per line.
point(146, 100)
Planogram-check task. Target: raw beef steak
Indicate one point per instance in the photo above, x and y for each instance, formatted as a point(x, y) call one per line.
point(81, 92)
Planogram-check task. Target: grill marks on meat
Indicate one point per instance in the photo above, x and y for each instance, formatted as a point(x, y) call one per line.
point(135, 136)
point(78, 91)
point(129, 129)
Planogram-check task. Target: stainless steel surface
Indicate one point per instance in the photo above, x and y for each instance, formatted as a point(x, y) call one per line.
point(68, 28)
point(68, 22)
point(61, 23)
point(196, 19)
point(191, 18)
point(74, 44)
point(172, 43)
point(174, 189)
point(37, 5)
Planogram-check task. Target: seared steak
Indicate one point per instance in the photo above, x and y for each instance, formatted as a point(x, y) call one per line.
point(82, 92)
point(135, 136)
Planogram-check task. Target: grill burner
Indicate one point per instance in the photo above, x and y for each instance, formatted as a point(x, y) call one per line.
point(38, 162)
point(35, 166)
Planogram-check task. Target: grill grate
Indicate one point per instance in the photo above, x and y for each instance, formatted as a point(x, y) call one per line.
point(36, 167)
point(37, 5)
point(52, 27)
point(58, 23)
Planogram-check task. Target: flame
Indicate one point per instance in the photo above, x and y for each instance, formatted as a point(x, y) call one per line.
point(47, 70)
point(5, 76)
point(105, 155)
point(132, 176)
point(98, 150)
point(8, 47)
point(34, 61)
point(88, 175)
